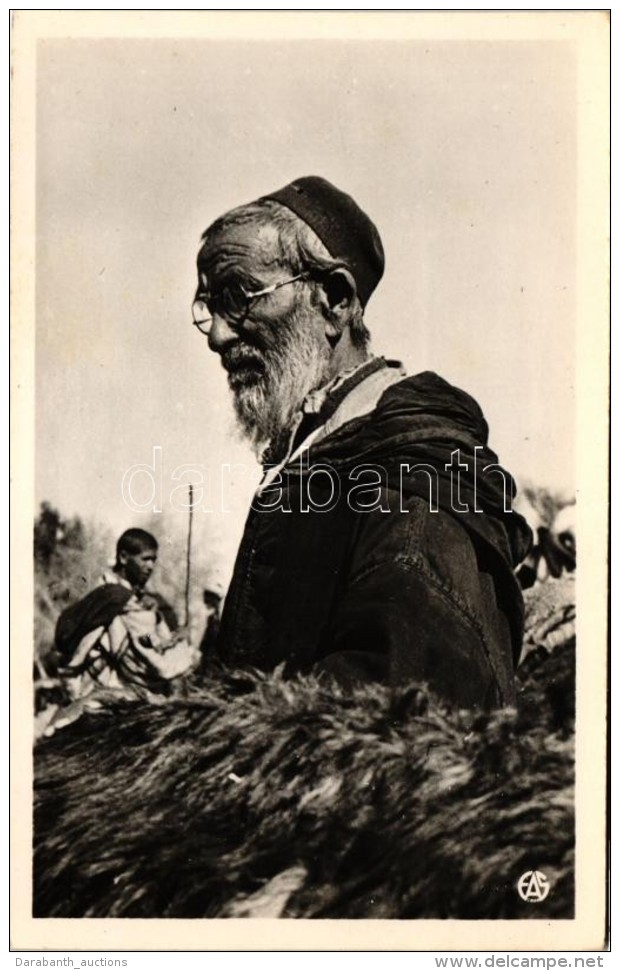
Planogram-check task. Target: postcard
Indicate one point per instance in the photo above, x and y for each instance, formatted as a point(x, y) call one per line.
point(310, 338)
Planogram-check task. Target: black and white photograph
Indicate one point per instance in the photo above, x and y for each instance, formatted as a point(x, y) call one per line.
point(310, 344)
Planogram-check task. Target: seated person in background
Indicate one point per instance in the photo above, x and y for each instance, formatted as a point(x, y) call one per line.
point(122, 635)
point(212, 598)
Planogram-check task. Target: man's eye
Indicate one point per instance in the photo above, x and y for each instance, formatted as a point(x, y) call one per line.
point(233, 299)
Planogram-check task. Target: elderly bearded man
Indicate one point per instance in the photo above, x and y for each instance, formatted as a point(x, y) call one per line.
point(370, 577)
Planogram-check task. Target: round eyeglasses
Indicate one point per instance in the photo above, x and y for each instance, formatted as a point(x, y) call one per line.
point(232, 303)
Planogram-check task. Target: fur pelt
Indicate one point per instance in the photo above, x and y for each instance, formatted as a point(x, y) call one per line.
point(260, 796)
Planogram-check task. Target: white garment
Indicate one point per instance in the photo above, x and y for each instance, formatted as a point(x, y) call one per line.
point(136, 648)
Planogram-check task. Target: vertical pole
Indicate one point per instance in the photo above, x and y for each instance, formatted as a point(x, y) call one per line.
point(189, 554)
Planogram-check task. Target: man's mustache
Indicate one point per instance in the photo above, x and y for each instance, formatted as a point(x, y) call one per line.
point(242, 355)
point(245, 364)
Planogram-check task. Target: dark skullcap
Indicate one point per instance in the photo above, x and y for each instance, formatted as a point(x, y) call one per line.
point(341, 225)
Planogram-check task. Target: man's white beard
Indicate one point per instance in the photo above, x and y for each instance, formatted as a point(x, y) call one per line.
point(292, 362)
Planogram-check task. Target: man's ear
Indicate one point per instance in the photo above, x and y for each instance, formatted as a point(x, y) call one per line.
point(340, 288)
point(338, 291)
point(122, 557)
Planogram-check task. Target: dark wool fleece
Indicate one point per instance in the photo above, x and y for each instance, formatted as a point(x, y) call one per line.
point(258, 796)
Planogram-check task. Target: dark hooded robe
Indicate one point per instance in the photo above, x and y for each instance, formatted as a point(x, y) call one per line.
point(384, 565)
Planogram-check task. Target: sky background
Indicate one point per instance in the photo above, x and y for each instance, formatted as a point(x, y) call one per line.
point(462, 152)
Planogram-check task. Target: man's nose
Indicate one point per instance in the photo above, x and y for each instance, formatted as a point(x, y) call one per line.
point(221, 334)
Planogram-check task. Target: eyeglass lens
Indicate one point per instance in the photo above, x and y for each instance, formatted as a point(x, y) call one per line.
point(231, 303)
point(201, 316)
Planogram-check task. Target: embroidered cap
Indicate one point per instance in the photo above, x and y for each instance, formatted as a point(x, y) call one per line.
point(341, 225)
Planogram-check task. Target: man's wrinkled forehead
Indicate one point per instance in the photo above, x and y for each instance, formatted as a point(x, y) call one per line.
point(248, 247)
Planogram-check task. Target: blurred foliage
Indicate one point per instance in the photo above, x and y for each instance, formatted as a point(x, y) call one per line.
point(69, 556)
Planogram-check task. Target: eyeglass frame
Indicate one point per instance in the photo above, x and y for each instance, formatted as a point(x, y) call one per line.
point(236, 321)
